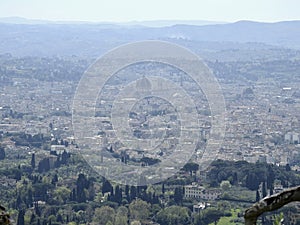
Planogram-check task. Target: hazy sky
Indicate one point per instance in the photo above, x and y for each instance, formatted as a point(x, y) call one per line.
point(138, 10)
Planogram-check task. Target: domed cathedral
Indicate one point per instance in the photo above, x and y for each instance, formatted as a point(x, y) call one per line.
point(143, 86)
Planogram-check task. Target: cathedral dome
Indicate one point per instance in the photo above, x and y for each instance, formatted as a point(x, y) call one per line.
point(143, 84)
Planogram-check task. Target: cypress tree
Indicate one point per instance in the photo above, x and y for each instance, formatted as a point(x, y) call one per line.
point(264, 190)
point(2, 153)
point(33, 160)
point(20, 220)
point(257, 196)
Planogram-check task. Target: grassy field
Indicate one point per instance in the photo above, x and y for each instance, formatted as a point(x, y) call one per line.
point(229, 220)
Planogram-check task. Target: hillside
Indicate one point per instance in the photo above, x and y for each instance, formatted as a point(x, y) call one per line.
point(94, 39)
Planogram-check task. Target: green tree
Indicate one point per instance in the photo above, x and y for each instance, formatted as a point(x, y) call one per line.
point(225, 185)
point(32, 218)
point(109, 223)
point(270, 177)
point(278, 219)
point(178, 195)
point(81, 185)
point(135, 222)
point(2, 153)
point(122, 211)
point(139, 210)
point(121, 216)
point(44, 165)
point(133, 193)
point(257, 196)
point(33, 161)
point(21, 215)
point(107, 187)
point(210, 215)
point(252, 181)
point(271, 190)
point(174, 215)
point(61, 194)
point(191, 167)
point(163, 190)
point(118, 194)
point(121, 220)
point(104, 215)
point(264, 190)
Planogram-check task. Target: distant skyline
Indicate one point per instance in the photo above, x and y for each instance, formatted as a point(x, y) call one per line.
point(141, 10)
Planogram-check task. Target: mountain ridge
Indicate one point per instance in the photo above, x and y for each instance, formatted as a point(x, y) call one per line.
point(145, 23)
point(92, 39)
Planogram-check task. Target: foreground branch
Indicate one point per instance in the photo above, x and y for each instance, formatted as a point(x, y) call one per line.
point(4, 216)
point(271, 203)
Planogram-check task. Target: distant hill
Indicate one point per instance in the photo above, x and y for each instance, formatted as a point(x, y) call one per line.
point(281, 34)
point(168, 23)
point(150, 23)
point(91, 39)
point(21, 20)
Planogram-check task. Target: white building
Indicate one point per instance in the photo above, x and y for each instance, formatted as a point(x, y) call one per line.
point(196, 191)
point(58, 148)
point(292, 138)
point(200, 206)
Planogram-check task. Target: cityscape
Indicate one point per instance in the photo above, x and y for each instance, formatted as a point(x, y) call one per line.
point(149, 145)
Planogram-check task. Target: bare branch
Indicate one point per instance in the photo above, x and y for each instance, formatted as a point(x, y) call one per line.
point(271, 203)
